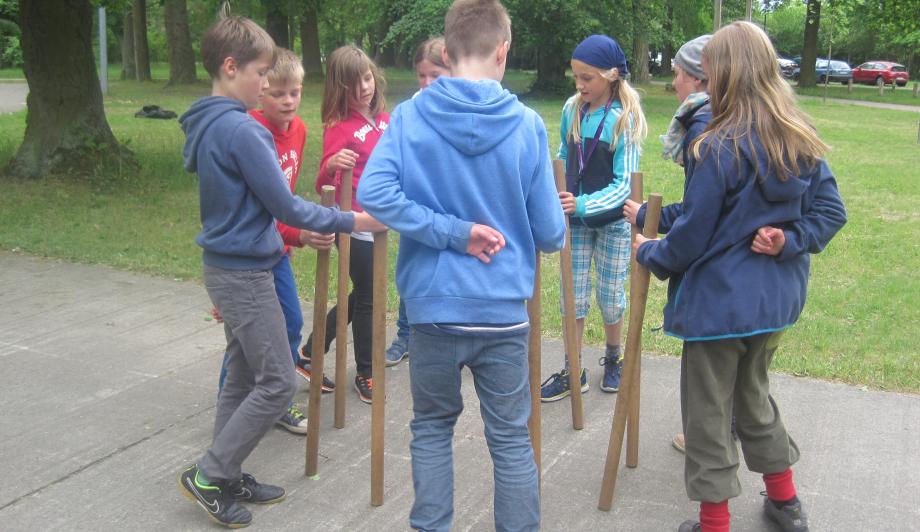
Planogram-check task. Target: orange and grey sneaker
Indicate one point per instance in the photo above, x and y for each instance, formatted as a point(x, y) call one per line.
point(303, 369)
point(365, 388)
point(215, 498)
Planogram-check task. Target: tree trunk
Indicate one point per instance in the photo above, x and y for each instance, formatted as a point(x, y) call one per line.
point(276, 22)
point(66, 129)
point(309, 42)
point(141, 51)
point(667, 54)
point(128, 69)
point(292, 31)
point(179, 41)
point(551, 67)
point(810, 49)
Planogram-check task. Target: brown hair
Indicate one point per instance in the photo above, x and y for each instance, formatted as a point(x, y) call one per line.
point(475, 28)
point(287, 69)
point(236, 37)
point(430, 50)
point(344, 69)
point(747, 92)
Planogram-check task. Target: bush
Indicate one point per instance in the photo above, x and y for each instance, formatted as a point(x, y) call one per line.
point(10, 52)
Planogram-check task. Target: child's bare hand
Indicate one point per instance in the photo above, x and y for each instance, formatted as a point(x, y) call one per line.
point(568, 202)
point(342, 160)
point(631, 210)
point(317, 241)
point(639, 241)
point(366, 222)
point(769, 241)
point(484, 242)
point(216, 315)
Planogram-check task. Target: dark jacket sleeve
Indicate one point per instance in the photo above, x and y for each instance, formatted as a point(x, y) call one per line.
point(823, 217)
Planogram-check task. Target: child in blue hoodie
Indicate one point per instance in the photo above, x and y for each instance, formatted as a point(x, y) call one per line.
point(463, 174)
point(242, 192)
point(759, 201)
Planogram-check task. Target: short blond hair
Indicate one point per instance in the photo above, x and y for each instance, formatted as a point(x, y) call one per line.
point(287, 69)
point(475, 28)
point(236, 37)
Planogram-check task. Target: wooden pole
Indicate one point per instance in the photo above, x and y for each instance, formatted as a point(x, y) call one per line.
point(341, 315)
point(320, 298)
point(378, 365)
point(569, 334)
point(638, 297)
point(632, 421)
point(534, 355)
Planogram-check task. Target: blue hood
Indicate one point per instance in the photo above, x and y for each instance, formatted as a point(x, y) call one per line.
point(196, 121)
point(472, 116)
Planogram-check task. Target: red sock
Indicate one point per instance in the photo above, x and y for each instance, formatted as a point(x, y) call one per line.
point(714, 517)
point(779, 486)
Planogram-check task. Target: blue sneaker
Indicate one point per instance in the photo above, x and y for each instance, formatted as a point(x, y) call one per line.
point(556, 386)
point(613, 365)
point(398, 350)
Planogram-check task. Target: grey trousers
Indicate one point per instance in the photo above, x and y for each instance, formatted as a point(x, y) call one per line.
point(716, 378)
point(260, 382)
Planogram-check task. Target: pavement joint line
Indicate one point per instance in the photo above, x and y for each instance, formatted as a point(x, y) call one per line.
point(101, 459)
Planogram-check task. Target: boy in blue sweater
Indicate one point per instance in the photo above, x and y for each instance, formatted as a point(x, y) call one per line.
point(242, 192)
point(462, 173)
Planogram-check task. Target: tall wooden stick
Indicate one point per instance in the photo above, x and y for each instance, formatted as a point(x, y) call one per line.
point(569, 334)
point(534, 362)
point(378, 365)
point(341, 315)
point(632, 421)
point(638, 297)
point(320, 298)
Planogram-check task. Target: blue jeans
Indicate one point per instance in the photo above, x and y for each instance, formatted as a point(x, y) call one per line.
point(499, 368)
point(402, 323)
point(286, 288)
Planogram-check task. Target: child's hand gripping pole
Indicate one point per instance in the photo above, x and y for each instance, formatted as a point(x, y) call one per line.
point(341, 316)
point(378, 365)
point(534, 365)
point(570, 340)
point(638, 297)
point(320, 298)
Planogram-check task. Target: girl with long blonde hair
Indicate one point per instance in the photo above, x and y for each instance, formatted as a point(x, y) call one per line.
point(601, 135)
point(759, 201)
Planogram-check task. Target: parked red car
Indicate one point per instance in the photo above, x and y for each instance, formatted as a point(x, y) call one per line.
point(880, 72)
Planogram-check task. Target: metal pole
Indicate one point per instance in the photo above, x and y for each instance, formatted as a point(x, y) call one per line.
point(750, 10)
point(716, 15)
point(103, 54)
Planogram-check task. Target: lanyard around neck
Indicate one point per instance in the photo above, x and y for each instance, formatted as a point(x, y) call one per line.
point(584, 157)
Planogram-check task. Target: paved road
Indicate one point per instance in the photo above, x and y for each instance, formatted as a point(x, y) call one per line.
point(107, 387)
point(13, 96)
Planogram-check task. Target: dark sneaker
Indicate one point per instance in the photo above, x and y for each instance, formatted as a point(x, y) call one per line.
point(215, 498)
point(303, 369)
point(398, 350)
point(556, 386)
point(293, 420)
point(365, 388)
point(613, 365)
point(690, 526)
point(790, 517)
point(247, 489)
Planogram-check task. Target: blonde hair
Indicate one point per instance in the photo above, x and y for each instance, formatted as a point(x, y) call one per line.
point(430, 50)
point(475, 28)
point(631, 121)
point(747, 92)
point(287, 69)
point(344, 69)
point(236, 37)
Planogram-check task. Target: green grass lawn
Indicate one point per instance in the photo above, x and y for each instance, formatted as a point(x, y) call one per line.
point(869, 93)
point(858, 325)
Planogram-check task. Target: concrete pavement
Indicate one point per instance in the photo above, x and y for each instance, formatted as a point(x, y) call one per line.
point(107, 387)
point(13, 96)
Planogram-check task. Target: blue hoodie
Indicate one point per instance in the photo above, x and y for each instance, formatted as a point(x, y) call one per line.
point(242, 188)
point(718, 287)
point(459, 153)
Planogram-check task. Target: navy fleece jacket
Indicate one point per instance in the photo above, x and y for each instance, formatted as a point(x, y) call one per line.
point(242, 189)
point(459, 153)
point(719, 288)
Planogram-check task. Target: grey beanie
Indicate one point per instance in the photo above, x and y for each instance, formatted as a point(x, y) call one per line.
point(690, 55)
